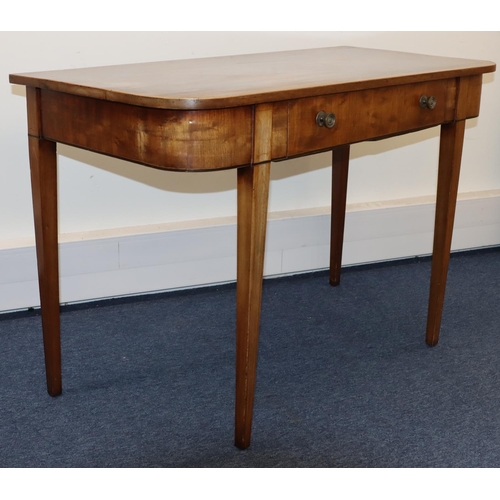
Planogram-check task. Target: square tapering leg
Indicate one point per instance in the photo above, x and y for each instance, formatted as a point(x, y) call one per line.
point(340, 169)
point(450, 154)
point(253, 192)
point(44, 191)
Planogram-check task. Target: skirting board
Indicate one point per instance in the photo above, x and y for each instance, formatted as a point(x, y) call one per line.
point(140, 260)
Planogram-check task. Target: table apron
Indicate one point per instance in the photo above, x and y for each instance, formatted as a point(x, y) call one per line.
point(167, 139)
point(214, 139)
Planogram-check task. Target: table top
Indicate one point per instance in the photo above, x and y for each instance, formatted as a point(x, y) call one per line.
point(229, 81)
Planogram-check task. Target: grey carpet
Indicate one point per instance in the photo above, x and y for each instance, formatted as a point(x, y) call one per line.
point(345, 378)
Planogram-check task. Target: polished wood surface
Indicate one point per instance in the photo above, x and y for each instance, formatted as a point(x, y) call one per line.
point(245, 112)
point(167, 139)
point(188, 140)
point(368, 114)
point(220, 82)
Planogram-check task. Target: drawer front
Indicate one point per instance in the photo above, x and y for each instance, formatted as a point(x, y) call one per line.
point(368, 114)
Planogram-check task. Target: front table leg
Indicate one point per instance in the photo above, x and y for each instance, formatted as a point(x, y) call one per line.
point(253, 191)
point(450, 155)
point(44, 191)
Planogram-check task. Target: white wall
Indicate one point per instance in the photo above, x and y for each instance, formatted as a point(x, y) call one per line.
point(391, 183)
point(102, 193)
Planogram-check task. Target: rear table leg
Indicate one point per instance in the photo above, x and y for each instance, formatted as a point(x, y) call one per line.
point(340, 168)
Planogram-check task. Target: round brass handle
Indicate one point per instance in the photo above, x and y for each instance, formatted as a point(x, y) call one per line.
point(326, 119)
point(428, 102)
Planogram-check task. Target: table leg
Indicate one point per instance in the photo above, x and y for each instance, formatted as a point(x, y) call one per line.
point(253, 190)
point(43, 166)
point(450, 155)
point(340, 168)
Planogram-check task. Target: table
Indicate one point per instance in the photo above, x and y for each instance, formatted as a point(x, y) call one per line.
point(245, 112)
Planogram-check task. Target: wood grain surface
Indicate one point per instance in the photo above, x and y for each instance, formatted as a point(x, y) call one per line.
point(219, 82)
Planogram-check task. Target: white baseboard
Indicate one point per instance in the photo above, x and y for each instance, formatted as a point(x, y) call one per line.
point(104, 264)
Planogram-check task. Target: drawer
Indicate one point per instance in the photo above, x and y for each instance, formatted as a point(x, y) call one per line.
point(368, 114)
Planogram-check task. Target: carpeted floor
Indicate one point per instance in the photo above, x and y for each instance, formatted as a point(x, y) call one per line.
point(345, 378)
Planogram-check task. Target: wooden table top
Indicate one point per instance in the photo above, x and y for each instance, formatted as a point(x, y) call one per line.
point(229, 81)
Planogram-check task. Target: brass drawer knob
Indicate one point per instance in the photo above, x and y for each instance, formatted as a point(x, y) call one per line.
point(428, 102)
point(325, 119)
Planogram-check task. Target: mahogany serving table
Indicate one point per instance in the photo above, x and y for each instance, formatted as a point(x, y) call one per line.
point(245, 112)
